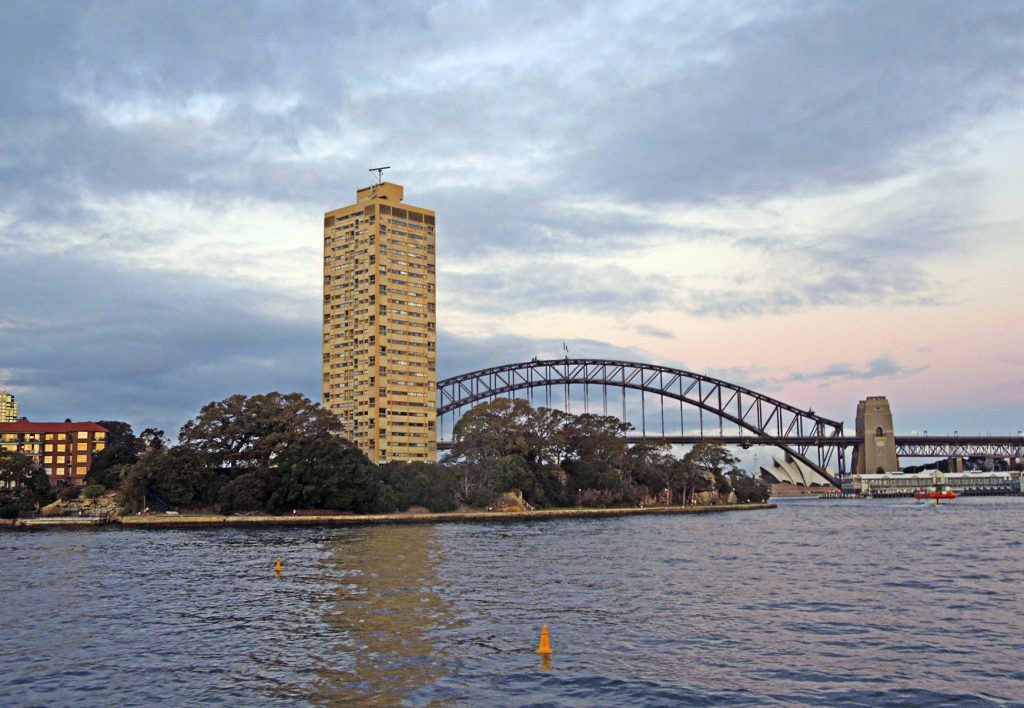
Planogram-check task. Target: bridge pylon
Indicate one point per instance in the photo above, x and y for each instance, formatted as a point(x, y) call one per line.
point(876, 451)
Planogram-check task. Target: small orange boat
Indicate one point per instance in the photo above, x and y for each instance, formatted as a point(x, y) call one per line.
point(933, 493)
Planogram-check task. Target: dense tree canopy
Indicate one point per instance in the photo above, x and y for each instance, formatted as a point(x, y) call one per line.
point(322, 474)
point(279, 452)
point(243, 433)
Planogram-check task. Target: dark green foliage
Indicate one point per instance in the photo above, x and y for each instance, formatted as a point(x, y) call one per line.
point(277, 453)
point(93, 490)
point(151, 439)
point(67, 492)
point(249, 491)
point(549, 448)
point(748, 489)
point(175, 477)
point(402, 485)
point(243, 433)
point(23, 484)
point(478, 484)
point(322, 474)
point(120, 450)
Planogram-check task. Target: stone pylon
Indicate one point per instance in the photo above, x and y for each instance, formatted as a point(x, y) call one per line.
point(877, 451)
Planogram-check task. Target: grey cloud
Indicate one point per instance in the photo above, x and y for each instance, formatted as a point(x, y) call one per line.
point(651, 331)
point(89, 341)
point(496, 117)
point(808, 98)
point(689, 106)
point(553, 285)
point(885, 261)
point(482, 220)
point(881, 367)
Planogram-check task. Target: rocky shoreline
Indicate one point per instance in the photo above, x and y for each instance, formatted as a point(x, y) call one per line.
point(157, 521)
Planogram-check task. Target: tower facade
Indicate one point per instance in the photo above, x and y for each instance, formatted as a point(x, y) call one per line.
point(8, 408)
point(380, 339)
point(877, 451)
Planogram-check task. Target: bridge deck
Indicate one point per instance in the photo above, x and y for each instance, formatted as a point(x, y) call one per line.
point(906, 445)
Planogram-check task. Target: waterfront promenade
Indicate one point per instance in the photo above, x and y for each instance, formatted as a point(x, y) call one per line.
point(201, 520)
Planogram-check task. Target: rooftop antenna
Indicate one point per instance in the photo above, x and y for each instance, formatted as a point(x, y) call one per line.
point(380, 173)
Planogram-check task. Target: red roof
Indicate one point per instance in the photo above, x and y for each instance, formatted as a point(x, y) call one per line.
point(25, 426)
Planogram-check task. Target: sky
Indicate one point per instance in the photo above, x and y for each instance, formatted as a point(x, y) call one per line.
point(820, 201)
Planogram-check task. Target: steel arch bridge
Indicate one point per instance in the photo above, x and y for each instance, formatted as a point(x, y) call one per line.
point(766, 419)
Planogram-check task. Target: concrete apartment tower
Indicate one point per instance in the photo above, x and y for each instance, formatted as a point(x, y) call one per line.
point(8, 408)
point(380, 339)
point(877, 452)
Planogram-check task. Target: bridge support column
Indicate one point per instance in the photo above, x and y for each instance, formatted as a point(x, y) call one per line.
point(877, 450)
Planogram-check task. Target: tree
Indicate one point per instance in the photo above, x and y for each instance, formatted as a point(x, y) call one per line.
point(121, 449)
point(322, 474)
point(24, 485)
point(708, 466)
point(164, 478)
point(399, 485)
point(478, 484)
point(670, 475)
point(494, 429)
point(597, 438)
point(711, 457)
point(748, 489)
point(151, 439)
point(243, 433)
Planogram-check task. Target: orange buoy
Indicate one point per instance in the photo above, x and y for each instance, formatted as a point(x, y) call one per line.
point(277, 566)
point(545, 642)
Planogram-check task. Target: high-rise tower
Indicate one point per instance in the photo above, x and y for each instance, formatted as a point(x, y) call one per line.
point(8, 408)
point(379, 356)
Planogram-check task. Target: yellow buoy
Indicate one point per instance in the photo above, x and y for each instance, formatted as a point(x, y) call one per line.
point(545, 642)
point(277, 566)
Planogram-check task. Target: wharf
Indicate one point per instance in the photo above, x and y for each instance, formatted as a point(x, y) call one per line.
point(63, 521)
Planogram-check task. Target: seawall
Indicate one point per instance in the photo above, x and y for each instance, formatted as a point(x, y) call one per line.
point(213, 520)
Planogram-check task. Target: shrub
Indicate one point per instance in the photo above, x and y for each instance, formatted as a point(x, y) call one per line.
point(9, 511)
point(93, 490)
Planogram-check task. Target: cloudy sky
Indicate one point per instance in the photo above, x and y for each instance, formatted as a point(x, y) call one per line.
point(818, 200)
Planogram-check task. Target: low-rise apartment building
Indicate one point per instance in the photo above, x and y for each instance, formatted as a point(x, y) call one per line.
point(64, 450)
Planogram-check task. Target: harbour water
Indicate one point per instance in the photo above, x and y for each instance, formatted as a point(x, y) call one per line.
point(838, 602)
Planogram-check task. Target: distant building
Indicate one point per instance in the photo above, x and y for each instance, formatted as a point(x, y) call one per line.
point(904, 484)
point(792, 471)
point(379, 336)
point(64, 450)
point(8, 408)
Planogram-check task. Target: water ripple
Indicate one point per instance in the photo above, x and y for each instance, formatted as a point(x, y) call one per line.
point(834, 602)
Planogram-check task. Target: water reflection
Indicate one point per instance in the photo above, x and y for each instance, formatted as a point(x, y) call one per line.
point(387, 615)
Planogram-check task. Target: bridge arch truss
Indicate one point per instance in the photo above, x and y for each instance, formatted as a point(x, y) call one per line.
point(764, 418)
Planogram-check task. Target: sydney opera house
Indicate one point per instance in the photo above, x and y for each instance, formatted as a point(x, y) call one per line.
point(791, 471)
